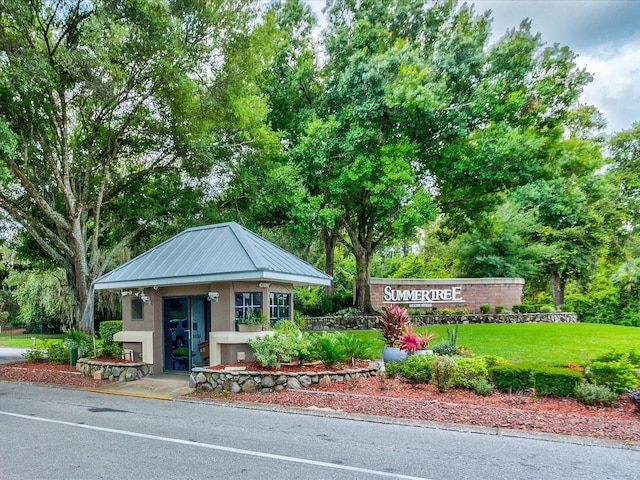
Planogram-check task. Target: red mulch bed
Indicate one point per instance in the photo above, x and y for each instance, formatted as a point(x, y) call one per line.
point(46, 372)
point(391, 397)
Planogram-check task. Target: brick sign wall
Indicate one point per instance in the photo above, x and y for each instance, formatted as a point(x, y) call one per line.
point(454, 293)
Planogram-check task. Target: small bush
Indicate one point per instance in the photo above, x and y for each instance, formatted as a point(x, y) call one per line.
point(58, 353)
point(35, 355)
point(329, 349)
point(287, 342)
point(108, 329)
point(469, 371)
point(356, 348)
point(494, 361)
point(392, 369)
point(591, 394)
point(547, 309)
point(110, 349)
point(483, 387)
point(619, 376)
point(485, 308)
point(616, 356)
point(444, 369)
point(499, 309)
point(512, 378)
point(416, 369)
point(556, 381)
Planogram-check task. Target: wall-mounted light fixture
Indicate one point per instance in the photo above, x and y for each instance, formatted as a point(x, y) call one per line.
point(264, 285)
point(213, 296)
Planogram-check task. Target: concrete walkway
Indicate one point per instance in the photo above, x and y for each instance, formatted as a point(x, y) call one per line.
point(163, 386)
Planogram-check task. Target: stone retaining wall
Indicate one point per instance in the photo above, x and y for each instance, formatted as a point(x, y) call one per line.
point(250, 382)
point(114, 371)
point(362, 322)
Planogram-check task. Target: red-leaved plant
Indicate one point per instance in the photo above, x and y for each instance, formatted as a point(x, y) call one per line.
point(410, 341)
point(392, 323)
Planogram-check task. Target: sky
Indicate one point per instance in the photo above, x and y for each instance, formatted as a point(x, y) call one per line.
point(605, 34)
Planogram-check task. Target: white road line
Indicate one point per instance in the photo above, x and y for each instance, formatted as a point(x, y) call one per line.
point(221, 448)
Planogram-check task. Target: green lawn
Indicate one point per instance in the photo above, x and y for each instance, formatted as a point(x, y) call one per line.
point(24, 340)
point(550, 343)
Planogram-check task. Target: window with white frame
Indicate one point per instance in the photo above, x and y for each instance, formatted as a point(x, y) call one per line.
point(247, 304)
point(279, 306)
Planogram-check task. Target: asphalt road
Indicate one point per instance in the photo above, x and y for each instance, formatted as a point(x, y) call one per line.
point(11, 354)
point(60, 433)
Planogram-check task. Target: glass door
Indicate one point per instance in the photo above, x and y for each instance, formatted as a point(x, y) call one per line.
point(186, 322)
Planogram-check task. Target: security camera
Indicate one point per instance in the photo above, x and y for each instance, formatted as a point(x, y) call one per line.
point(145, 298)
point(124, 293)
point(215, 296)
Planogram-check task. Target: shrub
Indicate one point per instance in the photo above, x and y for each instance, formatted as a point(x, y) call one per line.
point(485, 308)
point(450, 345)
point(108, 329)
point(416, 369)
point(483, 387)
point(619, 376)
point(547, 309)
point(494, 361)
point(356, 348)
point(287, 342)
point(556, 381)
point(469, 371)
point(499, 309)
point(616, 356)
point(35, 355)
point(392, 369)
point(58, 353)
point(444, 369)
point(512, 378)
point(329, 350)
point(110, 349)
point(634, 397)
point(591, 394)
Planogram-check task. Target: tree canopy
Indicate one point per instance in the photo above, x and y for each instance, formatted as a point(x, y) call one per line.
point(112, 116)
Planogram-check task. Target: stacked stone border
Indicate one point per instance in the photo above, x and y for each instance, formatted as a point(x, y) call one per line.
point(236, 381)
point(114, 371)
point(361, 322)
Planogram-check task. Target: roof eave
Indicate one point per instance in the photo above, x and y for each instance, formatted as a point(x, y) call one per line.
point(297, 280)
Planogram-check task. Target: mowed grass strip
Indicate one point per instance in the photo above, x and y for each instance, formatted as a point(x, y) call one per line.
point(546, 343)
point(25, 339)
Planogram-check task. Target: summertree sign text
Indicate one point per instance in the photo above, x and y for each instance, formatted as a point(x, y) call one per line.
point(423, 298)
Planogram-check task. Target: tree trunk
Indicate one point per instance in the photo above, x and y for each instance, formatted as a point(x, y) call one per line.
point(557, 289)
point(329, 237)
point(363, 285)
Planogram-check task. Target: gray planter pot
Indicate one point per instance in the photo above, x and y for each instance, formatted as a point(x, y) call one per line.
point(393, 354)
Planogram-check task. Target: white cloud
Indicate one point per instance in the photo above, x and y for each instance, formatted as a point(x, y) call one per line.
point(616, 86)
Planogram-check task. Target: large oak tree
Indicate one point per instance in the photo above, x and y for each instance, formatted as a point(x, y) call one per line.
point(421, 114)
point(112, 113)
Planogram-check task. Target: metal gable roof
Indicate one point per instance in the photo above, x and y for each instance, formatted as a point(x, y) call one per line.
point(213, 253)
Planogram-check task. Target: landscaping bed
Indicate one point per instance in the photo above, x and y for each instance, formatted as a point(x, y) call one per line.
point(391, 397)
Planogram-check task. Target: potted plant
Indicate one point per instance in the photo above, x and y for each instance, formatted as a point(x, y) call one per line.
point(252, 322)
point(391, 325)
point(412, 342)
